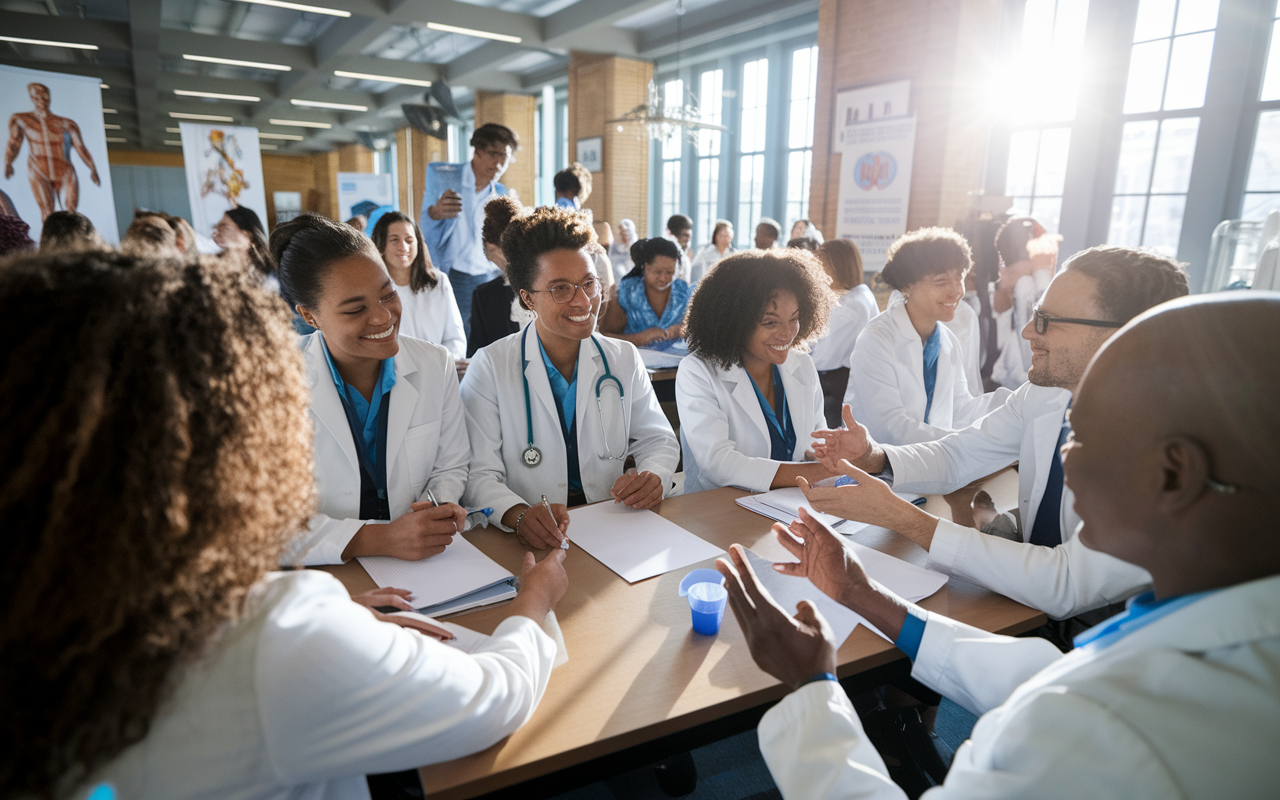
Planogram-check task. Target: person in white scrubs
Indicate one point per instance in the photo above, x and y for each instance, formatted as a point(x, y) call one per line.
point(747, 393)
point(907, 380)
point(1174, 471)
point(555, 410)
point(225, 680)
point(1028, 259)
point(390, 442)
point(429, 310)
point(857, 306)
point(713, 252)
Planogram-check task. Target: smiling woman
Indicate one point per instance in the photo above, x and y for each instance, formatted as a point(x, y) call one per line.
point(428, 308)
point(389, 432)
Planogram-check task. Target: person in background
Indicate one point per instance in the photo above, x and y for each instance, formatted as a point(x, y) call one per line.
point(768, 232)
point(1028, 257)
point(967, 328)
point(173, 408)
point(151, 233)
point(451, 224)
point(572, 186)
point(907, 381)
point(240, 229)
point(390, 440)
point(186, 237)
point(604, 267)
point(68, 232)
point(429, 311)
point(495, 311)
point(680, 231)
point(802, 228)
point(14, 235)
point(649, 305)
point(620, 250)
point(712, 252)
point(1174, 471)
point(747, 393)
point(804, 243)
point(856, 307)
point(359, 222)
point(556, 410)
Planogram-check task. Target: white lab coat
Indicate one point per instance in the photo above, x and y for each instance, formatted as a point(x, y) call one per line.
point(1187, 706)
point(432, 315)
point(307, 692)
point(723, 431)
point(493, 394)
point(1025, 429)
point(705, 260)
point(966, 328)
point(426, 445)
point(886, 383)
point(848, 319)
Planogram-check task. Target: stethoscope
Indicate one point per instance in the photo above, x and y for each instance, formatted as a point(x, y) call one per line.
point(532, 456)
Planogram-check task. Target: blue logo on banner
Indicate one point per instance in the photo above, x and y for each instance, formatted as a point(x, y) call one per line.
point(875, 170)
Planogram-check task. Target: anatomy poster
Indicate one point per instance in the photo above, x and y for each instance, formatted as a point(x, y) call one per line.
point(224, 170)
point(56, 155)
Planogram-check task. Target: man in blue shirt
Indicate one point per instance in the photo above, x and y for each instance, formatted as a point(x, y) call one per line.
point(451, 225)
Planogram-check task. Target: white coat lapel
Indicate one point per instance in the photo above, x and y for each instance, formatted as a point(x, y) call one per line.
point(535, 372)
point(590, 368)
point(799, 402)
point(326, 406)
point(404, 399)
point(744, 394)
point(911, 344)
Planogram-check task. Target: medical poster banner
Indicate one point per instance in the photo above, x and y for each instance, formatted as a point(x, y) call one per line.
point(224, 170)
point(56, 157)
point(364, 193)
point(875, 185)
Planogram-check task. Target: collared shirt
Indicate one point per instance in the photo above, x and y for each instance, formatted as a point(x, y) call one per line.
point(366, 411)
point(566, 394)
point(570, 203)
point(932, 348)
point(464, 250)
point(1143, 610)
point(782, 436)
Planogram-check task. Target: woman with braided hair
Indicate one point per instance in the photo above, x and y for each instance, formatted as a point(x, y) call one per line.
point(156, 459)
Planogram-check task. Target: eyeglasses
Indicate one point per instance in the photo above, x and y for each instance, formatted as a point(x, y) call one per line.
point(498, 155)
point(1042, 321)
point(565, 292)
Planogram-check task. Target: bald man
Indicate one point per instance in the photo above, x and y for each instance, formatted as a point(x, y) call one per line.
point(1174, 470)
point(1046, 567)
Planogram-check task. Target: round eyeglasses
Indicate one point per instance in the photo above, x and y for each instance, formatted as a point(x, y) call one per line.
point(564, 292)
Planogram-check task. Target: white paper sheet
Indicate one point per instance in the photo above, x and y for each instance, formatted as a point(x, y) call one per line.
point(461, 569)
point(659, 359)
point(635, 544)
point(784, 506)
point(908, 581)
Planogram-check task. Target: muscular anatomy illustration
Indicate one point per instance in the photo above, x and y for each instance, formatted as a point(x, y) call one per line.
point(50, 139)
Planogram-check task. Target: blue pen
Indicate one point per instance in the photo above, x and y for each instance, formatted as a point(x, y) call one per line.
point(488, 512)
point(845, 480)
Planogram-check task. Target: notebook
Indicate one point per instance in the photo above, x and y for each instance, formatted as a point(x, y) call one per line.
point(458, 579)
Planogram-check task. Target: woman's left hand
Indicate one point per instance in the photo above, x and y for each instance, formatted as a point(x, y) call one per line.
point(637, 489)
point(461, 366)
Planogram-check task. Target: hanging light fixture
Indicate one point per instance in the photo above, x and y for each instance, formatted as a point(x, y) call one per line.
point(663, 120)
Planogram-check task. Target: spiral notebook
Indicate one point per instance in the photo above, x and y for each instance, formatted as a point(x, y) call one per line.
point(456, 580)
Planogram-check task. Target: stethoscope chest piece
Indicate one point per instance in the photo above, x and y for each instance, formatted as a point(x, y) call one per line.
point(532, 456)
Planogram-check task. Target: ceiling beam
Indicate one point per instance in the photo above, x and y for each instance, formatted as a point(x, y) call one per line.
point(144, 50)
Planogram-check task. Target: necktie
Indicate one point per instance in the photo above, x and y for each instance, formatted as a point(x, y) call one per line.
point(1047, 530)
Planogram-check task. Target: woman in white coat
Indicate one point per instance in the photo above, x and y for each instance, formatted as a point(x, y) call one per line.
point(390, 442)
point(428, 308)
point(556, 409)
point(907, 380)
point(843, 262)
point(748, 399)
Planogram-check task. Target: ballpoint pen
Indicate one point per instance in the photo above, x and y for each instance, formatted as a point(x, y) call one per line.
point(564, 543)
point(432, 497)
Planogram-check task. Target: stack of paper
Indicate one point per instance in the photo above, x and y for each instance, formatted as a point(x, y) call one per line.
point(784, 506)
point(908, 581)
point(659, 359)
point(460, 578)
point(635, 544)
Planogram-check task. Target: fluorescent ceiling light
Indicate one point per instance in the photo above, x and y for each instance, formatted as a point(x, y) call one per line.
point(288, 137)
point(334, 106)
point(262, 146)
point(244, 98)
point(173, 130)
point(172, 142)
point(109, 111)
point(299, 123)
point(501, 37)
point(333, 12)
point(235, 62)
point(47, 43)
point(116, 139)
point(201, 117)
point(103, 86)
point(384, 78)
point(112, 127)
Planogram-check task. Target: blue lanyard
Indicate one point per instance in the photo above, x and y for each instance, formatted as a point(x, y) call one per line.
point(1142, 611)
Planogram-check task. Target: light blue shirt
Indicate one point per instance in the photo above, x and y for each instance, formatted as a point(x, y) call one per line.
point(366, 411)
point(456, 243)
point(932, 348)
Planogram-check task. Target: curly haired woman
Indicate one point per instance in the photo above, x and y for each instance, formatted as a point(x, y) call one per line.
point(156, 459)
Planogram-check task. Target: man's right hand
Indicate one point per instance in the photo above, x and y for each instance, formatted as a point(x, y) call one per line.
point(413, 536)
point(448, 206)
point(852, 443)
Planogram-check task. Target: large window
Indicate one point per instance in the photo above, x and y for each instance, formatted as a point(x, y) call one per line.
point(804, 91)
point(672, 149)
point(752, 134)
point(1168, 76)
point(710, 103)
point(1262, 188)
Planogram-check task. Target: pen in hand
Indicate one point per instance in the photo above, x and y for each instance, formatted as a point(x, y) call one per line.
point(564, 540)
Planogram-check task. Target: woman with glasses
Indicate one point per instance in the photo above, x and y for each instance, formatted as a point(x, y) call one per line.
point(554, 410)
point(907, 380)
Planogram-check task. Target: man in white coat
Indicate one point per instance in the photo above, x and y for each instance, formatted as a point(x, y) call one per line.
point(1174, 470)
point(1098, 291)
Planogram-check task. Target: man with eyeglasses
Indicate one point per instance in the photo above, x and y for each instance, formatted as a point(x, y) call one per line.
point(451, 225)
point(1043, 564)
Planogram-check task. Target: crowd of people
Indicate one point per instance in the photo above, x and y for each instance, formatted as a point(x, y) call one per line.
point(184, 432)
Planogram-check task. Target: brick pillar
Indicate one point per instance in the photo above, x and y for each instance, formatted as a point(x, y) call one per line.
point(601, 88)
point(516, 111)
point(943, 47)
point(414, 150)
point(323, 199)
point(355, 158)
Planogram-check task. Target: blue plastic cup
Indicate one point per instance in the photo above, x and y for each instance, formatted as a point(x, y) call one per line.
point(707, 598)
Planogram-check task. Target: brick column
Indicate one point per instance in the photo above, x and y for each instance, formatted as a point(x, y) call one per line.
point(516, 111)
point(355, 158)
point(323, 199)
point(601, 88)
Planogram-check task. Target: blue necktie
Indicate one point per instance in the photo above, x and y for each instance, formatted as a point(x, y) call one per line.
point(1047, 530)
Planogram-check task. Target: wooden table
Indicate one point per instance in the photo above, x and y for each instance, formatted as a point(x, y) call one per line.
point(662, 374)
point(637, 672)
